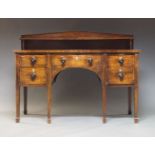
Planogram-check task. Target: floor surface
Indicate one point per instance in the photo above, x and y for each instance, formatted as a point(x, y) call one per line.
point(78, 126)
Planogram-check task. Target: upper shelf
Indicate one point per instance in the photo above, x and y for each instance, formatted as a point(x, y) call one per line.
point(76, 36)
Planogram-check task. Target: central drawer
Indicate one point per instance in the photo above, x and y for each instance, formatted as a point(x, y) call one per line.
point(87, 61)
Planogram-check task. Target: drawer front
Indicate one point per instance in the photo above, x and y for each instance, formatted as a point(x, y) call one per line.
point(121, 76)
point(120, 69)
point(87, 61)
point(33, 60)
point(116, 61)
point(33, 76)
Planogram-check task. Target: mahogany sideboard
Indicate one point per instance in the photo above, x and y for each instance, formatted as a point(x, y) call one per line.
point(110, 56)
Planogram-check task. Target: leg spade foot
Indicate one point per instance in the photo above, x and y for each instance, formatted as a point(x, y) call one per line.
point(104, 120)
point(136, 120)
point(49, 121)
point(17, 120)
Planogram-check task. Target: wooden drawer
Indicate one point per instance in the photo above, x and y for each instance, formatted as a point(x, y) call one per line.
point(33, 76)
point(121, 76)
point(116, 61)
point(33, 60)
point(88, 61)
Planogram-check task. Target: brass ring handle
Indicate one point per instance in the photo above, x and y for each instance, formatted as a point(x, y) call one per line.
point(90, 61)
point(33, 60)
point(33, 75)
point(63, 61)
point(121, 61)
point(121, 75)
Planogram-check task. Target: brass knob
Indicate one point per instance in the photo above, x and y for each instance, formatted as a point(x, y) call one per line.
point(90, 61)
point(63, 61)
point(121, 74)
point(33, 75)
point(121, 61)
point(33, 60)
